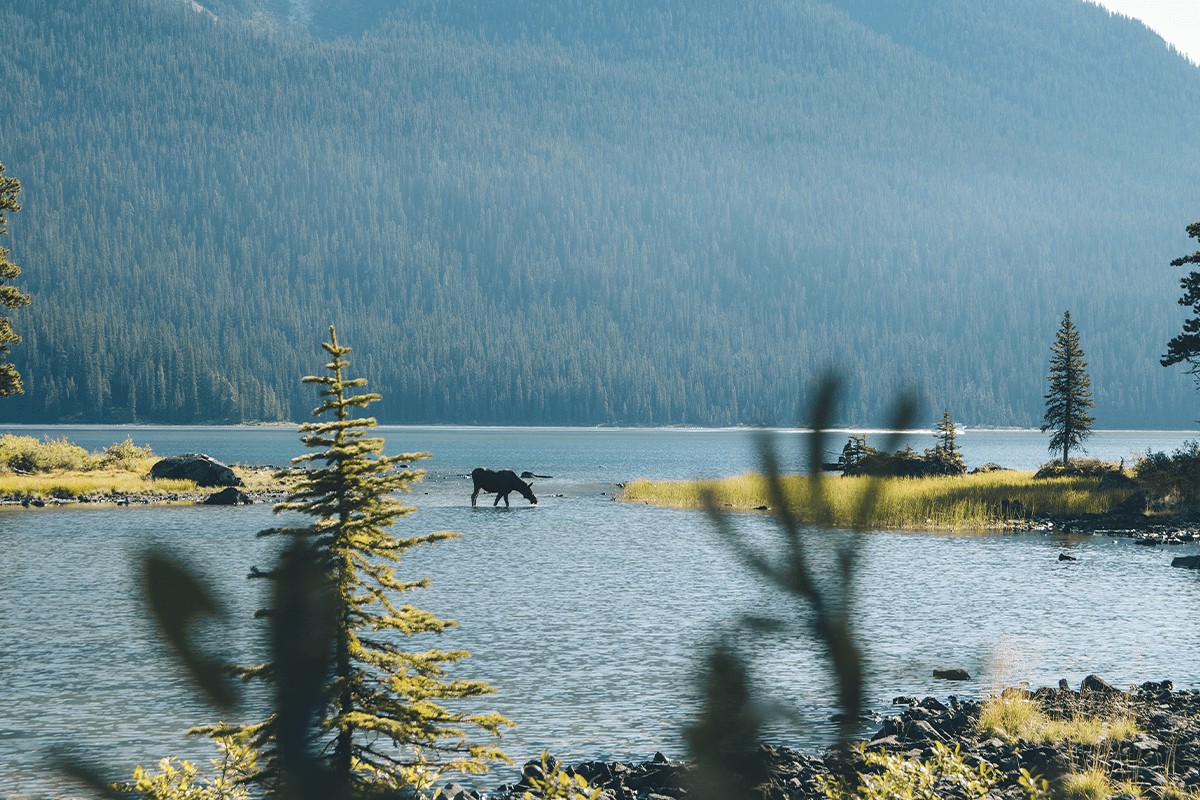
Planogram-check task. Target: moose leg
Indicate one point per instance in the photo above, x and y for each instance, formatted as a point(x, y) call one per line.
point(474, 495)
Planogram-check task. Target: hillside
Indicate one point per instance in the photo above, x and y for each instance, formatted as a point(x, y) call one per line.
point(594, 212)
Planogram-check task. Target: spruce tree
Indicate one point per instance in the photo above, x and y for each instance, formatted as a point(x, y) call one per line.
point(10, 380)
point(379, 717)
point(947, 435)
point(1070, 393)
point(1186, 346)
point(946, 457)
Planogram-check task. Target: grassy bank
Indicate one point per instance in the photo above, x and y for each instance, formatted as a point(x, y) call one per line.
point(963, 501)
point(55, 468)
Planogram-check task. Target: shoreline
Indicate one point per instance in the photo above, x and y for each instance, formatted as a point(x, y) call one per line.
point(1162, 755)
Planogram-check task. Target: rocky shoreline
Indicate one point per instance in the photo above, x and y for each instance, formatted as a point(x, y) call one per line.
point(121, 499)
point(1145, 529)
point(1163, 756)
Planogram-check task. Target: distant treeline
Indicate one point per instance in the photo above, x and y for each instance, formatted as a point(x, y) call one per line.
point(588, 212)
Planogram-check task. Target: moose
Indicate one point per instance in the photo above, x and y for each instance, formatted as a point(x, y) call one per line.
point(500, 483)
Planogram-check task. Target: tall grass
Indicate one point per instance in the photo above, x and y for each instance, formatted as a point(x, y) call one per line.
point(93, 483)
point(961, 501)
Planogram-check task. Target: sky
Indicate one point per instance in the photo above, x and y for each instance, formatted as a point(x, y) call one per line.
point(1177, 21)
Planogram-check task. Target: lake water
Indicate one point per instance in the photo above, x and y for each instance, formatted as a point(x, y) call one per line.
point(590, 618)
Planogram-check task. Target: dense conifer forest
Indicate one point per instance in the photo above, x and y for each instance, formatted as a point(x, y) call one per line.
point(594, 211)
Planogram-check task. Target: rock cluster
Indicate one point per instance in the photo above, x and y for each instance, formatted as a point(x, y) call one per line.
point(1166, 751)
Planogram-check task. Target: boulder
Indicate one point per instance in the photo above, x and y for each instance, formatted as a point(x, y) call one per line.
point(1187, 562)
point(989, 467)
point(952, 674)
point(203, 470)
point(228, 497)
point(1097, 685)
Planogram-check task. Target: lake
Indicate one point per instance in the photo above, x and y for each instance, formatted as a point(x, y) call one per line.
point(590, 618)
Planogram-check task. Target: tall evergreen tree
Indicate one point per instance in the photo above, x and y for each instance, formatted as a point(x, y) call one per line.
point(1070, 393)
point(376, 694)
point(10, 379)
point(1186, 346)
point(947, 435)
point(946, 457)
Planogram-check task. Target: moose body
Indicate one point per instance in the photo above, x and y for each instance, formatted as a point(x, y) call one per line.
point(500, 483)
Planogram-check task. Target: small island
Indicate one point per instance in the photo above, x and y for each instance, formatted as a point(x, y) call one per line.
point(1157, 494)
point(59, 472)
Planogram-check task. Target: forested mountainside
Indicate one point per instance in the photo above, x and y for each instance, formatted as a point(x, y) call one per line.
point(594, 211)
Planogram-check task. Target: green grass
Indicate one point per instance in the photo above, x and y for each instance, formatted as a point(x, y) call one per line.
point(964, 501)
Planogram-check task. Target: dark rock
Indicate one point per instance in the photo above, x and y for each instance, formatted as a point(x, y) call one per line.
point(228, 497)
point(885, 743)
point(932, 704)
point(989, 467)
point(201, 469)
point(1065, 557)
point(952, 674)
point(1187, 562)
point(920, 730)
point(1063, 685)
point(1097, 685)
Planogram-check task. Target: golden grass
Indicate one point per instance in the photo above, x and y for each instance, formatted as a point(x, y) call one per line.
point(1012, 716)
point(69, 484)
point(963, 501)
point(72, 483)
point(1091, 784)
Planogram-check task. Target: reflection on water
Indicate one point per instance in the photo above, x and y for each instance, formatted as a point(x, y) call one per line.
point(588, 616)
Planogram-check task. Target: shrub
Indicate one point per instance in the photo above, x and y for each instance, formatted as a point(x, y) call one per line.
point(892, 775)
point(859, 458)
point(125, 455)
point(1079, 468)
point(27, 454)
point(183, 781)
point(1175, 477)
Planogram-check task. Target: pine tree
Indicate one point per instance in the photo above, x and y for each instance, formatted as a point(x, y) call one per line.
point(10, 380)
point(1070, 393)
point(380, 719)
point(947, 435)
point(1186, 346)
point(945, 458)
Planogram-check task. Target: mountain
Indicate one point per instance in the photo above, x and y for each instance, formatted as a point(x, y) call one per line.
point(653, 212)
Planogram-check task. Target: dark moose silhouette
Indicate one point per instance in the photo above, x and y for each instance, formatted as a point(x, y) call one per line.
point(500, 483)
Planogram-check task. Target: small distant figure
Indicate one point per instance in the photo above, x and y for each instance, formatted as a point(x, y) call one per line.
point(500, 483)
point(1065, 557)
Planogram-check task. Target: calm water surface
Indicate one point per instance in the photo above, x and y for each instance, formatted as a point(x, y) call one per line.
point(589, 617)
